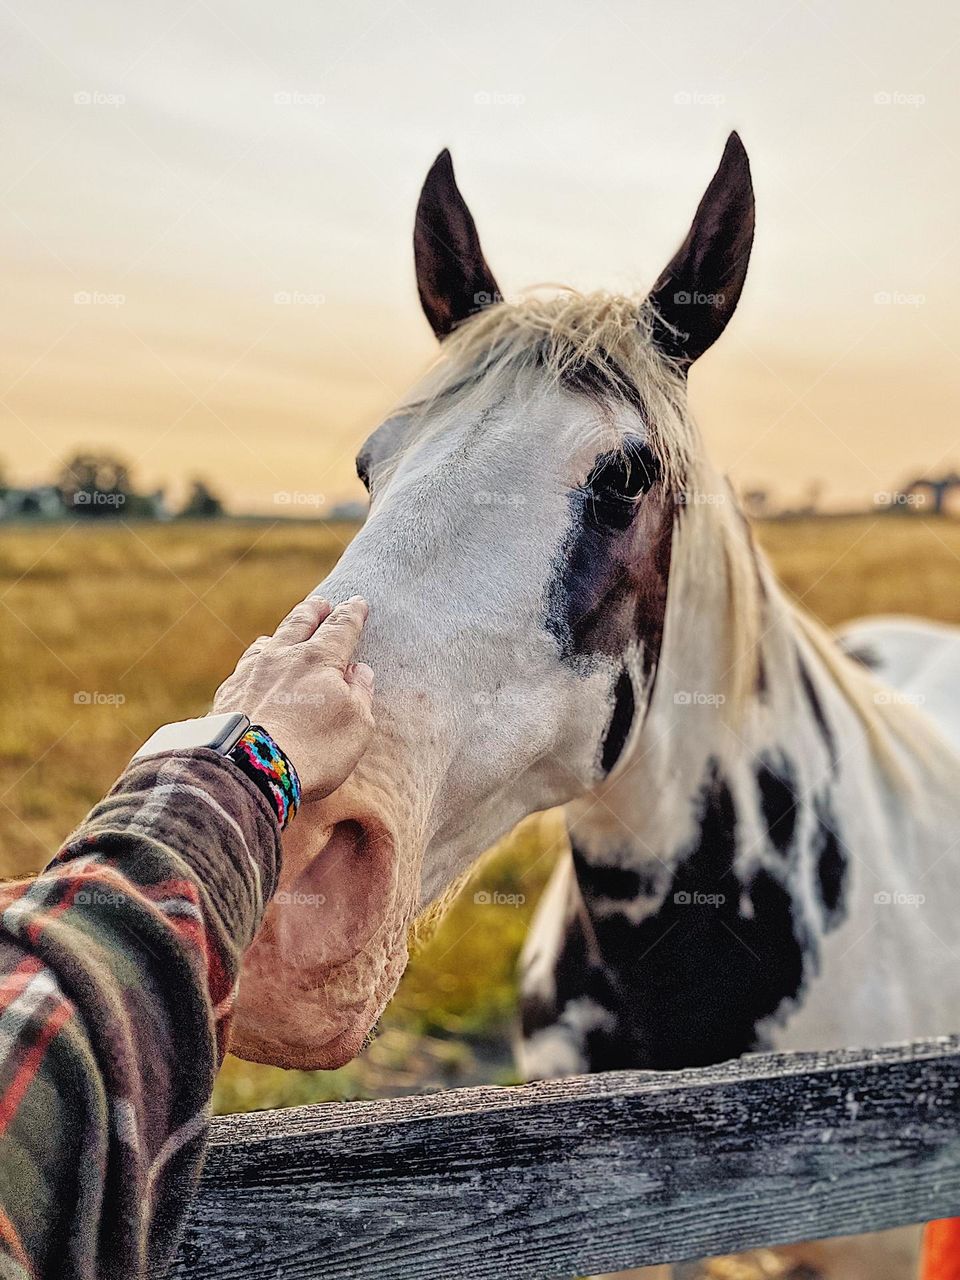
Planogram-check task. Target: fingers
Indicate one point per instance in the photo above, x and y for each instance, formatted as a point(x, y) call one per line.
point(257, 647)
point(302, 621)
point(338, 637)
point(360, 678)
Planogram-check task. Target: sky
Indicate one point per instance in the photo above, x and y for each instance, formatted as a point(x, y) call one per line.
point(206, 212)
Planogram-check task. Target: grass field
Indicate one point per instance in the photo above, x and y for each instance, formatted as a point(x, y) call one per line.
point(109, 631)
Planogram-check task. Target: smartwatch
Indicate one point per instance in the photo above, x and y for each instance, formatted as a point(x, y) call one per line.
point(248, 746)
point(219, 733)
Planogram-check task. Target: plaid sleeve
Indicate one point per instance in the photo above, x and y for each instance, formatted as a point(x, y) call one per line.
point(118, 971)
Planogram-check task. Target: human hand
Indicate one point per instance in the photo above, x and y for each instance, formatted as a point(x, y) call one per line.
point(302, 687)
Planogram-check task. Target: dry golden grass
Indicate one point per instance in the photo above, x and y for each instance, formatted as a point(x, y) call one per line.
point(153, 614)
point(848, 567)
point(157, 615)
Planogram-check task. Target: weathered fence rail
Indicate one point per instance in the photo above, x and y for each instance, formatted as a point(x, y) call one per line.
point(590, 1174)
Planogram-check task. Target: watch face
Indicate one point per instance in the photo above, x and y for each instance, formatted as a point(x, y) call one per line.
point(219, 732)
point(235, 725)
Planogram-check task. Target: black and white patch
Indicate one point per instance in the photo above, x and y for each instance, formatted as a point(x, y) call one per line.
point(691, 983)
point(779, 801)
point(832, 867)
point(819, 714)
point(621, 722)
point(608, 590)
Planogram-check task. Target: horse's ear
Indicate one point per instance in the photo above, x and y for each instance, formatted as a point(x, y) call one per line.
point(698, 292)
point(452, 274)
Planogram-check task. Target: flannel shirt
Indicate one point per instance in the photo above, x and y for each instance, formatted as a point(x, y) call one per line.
point(118, 974)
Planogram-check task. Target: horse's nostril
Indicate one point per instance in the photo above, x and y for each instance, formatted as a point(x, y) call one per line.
point(345, 841)
point(340, 899)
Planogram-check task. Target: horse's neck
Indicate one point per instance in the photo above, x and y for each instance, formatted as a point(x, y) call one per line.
point(794, 743)
point(715, 860)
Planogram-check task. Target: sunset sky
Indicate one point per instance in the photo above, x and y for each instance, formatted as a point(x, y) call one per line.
point(183, 164)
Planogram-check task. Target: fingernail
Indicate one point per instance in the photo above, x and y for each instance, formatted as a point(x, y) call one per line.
point(365, 674)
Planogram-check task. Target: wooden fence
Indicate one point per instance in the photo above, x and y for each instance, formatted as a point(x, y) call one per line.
point(585, 1175)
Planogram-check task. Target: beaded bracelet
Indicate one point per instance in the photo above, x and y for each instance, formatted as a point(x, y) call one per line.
point(259, 757)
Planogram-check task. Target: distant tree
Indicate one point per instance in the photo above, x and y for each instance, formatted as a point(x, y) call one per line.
point(202, 503)
point(95, 484)
point(757, 502)
point(813, 496)
point(931, 493)
point(146, 506)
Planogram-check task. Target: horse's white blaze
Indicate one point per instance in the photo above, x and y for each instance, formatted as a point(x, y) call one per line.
point(453, 559)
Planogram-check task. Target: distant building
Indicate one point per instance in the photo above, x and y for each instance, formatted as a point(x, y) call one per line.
point(37, 502)
point(158, 505)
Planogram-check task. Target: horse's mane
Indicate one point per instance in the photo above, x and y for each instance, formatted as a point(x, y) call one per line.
point(597, 343)
point(603, 345)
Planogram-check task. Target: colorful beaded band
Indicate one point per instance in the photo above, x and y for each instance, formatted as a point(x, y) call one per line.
point(269, 769)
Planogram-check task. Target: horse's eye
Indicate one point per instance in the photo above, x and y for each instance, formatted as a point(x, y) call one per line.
point(618, 480)
point(363, 470)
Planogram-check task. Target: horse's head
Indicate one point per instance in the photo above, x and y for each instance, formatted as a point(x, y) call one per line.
point(516, 557)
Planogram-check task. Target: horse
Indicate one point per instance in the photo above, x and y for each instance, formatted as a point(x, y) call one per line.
point(567, 607)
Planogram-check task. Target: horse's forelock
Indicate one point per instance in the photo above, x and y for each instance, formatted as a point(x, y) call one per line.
point(599, 344)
